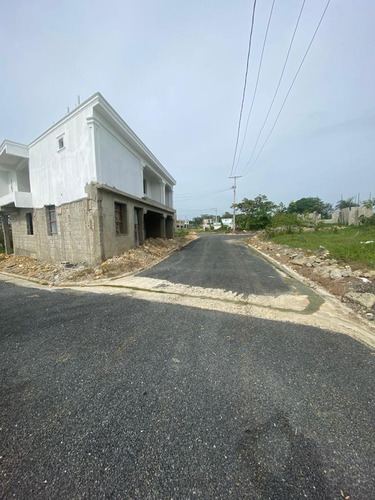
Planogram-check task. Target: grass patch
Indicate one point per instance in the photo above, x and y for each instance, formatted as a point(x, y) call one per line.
point(343, 244)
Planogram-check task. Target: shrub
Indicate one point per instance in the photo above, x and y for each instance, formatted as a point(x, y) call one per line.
point(287, 223)
point(367, 221)
point(181, 232)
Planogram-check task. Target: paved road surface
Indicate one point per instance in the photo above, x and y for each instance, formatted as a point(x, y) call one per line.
point(219, 261)
point(114, 397)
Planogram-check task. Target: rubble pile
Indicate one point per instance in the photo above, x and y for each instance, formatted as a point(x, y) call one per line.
point(46, 273)
point(354, 286)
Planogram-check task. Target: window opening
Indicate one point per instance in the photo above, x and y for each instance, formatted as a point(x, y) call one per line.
point(29, 223)
point(120, 218)
point(52, 222)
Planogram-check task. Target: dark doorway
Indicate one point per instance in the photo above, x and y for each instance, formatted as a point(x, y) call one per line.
point(153, 225)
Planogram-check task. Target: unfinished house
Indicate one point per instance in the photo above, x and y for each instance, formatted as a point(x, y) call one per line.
point(85, 190)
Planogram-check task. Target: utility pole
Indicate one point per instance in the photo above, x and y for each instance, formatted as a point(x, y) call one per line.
point(234, 177)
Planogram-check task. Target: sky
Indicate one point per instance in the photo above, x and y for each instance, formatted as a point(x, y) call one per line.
point(174, 70)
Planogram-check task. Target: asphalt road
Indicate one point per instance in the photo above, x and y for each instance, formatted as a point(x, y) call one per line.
point(114, 397)
point(219, 261)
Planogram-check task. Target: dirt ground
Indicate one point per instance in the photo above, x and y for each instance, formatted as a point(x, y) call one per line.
point(47, 273)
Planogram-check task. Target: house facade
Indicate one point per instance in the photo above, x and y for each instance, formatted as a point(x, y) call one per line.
point(227, 222)
point(181, 224)
point(85, 190)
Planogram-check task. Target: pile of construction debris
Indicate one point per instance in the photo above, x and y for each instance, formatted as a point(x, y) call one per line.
point(46, 273)
point(356, 286)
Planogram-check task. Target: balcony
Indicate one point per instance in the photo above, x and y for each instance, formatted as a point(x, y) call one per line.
point(15, 189)
point(17, 199)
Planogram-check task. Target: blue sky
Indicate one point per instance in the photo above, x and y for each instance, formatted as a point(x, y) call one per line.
point(174, 71)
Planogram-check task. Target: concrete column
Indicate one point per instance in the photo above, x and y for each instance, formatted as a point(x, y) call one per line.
point(7, 235)
point(163, 231)
point(162, 191)
point(169, 227)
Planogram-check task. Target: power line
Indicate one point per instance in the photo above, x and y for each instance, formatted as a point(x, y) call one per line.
point(195, 194)
point(279, 82)
point(206, 193)
point(257, 81)
point(245, 84)
point(193, 197)
point(247, 168)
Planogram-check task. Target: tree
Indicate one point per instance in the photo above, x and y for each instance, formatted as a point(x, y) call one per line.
point(349, 202)
point(197, 221)
point(256, 213)
point(281, 209)
point(227, 215)
point(370, 203)
point(309, 205)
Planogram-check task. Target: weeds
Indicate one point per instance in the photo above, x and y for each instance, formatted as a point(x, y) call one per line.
point(351, 245)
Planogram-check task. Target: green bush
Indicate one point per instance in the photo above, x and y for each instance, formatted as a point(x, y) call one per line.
point(367, 221)
point(181, 232)
point(288, 223)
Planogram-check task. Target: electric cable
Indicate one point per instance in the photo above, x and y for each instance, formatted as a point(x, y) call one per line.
point(193, 197)
point(245, 84)
point(247, 167)
point(279, 82)
point(257, 82)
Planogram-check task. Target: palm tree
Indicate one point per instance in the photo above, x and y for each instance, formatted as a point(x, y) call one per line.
point(349, 202)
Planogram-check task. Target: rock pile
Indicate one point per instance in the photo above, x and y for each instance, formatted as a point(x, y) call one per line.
point(356, 286)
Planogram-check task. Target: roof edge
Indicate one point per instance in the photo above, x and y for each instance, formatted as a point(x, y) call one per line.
point(68, 116)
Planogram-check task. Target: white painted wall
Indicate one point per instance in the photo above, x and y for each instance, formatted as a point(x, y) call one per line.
point(23, 180)
point(153, 186)
point(58, 177)
point(4, 183)
point(118, 165)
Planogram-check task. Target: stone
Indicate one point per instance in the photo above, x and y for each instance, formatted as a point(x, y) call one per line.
point(300, 261)
point(335, 274)
point(358, 273)
point(364, 299)
point(321, 271)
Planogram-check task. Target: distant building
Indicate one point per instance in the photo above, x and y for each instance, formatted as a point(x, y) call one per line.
point(84, 190)
point(227, 222)
point(181, 224)
point(207, 224)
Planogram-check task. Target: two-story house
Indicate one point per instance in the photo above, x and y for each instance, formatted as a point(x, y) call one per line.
point(84, 190)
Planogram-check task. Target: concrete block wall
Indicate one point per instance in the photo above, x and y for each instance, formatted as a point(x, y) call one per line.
point(349, 216)
point(23, 243)
point(77, 239)
point(86, 229)
point(116, 244)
